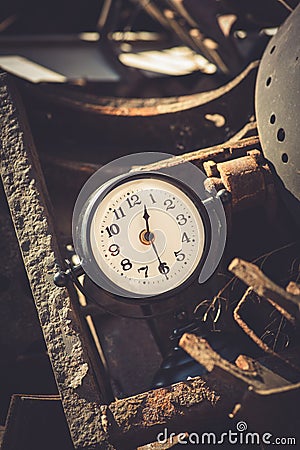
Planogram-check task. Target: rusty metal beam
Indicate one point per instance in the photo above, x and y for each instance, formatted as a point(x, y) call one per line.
point(220, 152)
point(69, 352)
point(139, 418)
point(251, 275)
point(247, 370)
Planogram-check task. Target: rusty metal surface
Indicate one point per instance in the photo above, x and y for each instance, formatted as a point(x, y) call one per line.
point(248, 179)
point(134, 419)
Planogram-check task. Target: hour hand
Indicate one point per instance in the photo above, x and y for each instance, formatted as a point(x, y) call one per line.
point(146, 217)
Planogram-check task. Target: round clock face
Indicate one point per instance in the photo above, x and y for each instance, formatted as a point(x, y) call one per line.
point(146, 235)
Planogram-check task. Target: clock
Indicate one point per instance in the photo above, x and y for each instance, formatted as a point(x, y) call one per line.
point(143, 234)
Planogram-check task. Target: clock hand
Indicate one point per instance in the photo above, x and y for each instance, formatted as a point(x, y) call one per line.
point(163, 268)
point(146, 217)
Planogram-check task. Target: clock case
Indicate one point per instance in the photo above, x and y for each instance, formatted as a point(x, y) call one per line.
point(89, 263)
point(190, 181)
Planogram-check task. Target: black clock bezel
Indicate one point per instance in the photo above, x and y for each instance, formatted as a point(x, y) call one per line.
point(126, 296)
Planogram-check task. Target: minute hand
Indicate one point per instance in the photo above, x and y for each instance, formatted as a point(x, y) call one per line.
point(163, 268)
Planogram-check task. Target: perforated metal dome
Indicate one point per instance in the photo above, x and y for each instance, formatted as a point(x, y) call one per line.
point(277, 105)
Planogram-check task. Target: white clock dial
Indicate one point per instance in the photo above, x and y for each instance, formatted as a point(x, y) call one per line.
point(147, 236)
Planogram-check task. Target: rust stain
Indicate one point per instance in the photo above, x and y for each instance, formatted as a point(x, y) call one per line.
point(158, 407)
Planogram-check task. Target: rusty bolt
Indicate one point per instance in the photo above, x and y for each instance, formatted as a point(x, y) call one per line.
point(211, 169)
point(257, 155)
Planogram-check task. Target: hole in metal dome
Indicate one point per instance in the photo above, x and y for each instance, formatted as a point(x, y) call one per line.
point(281, 135)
